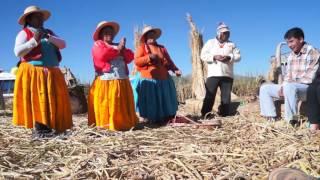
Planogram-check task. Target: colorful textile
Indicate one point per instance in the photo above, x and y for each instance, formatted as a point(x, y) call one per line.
point(49, 56)
point(111, 104)
point(41, 95)
point(157, 99)
point(35, 53)
point(134, 80)
point(103, 53)
point(157, 69)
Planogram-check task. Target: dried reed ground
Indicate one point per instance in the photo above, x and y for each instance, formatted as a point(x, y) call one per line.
point(245, 147)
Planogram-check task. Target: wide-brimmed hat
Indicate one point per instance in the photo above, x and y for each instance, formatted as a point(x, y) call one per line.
point(115, 26)
point(33, 9)
point(222, 27)
point(147, 29)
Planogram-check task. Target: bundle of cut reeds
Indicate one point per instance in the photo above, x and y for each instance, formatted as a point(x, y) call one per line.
point(199, 68)
point(137, 34)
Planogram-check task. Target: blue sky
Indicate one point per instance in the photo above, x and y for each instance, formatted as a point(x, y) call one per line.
point(256, 27)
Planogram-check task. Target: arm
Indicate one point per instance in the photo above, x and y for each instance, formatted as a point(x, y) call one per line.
point(169, 64)
point(102, 53)
point(54, 39)
point(141, 59)
point(58, 42)
point(288, 75)
point(22, 46)
point(127, 55)
point(312, 67)
point(235, 54)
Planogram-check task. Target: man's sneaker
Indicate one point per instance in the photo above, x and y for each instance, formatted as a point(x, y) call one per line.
point(209, 115)
point(271, 119)
point(294, 121)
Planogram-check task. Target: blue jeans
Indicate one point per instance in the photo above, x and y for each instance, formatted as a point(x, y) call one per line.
point(293, 92)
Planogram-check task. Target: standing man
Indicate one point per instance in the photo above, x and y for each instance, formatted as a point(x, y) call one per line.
point(302, 66)
point(220, 54)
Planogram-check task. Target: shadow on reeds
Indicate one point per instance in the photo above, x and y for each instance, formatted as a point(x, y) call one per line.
point(5, 113)
point(143, 125)
point(234, 108)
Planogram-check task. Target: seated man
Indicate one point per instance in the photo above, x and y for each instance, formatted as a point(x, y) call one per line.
point(302, 66)
point(313, 104)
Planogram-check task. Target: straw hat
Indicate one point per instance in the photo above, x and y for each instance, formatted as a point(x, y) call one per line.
point(33, 9)
point(147, 29)
point(115, 26)
point(288, 174)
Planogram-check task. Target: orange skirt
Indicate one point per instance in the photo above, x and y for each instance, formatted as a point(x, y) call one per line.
point(111, 105)
point(41, 95)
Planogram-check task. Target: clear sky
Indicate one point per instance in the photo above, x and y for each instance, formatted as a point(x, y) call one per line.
point(256, 27)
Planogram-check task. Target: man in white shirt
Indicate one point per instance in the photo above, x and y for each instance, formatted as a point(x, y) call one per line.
point(220, 54)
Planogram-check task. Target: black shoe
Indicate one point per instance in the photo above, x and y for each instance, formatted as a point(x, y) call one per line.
point(42, 134)
point(294, 123)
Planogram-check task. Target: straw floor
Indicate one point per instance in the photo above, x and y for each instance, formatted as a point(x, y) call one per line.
point(245, 147)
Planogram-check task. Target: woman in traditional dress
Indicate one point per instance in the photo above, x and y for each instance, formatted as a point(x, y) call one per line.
point(157, 99)
point(111, 104)
point(41, 99)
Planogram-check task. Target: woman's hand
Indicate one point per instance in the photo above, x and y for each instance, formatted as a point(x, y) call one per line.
point(178, 73)
point(37, 35)
point(122, 44)
point(154, 58)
